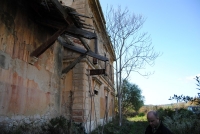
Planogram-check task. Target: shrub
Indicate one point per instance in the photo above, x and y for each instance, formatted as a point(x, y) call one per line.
point(58, 125)
point(128, 127)
point(165, 112)
point(183, 122)
point(141, 114)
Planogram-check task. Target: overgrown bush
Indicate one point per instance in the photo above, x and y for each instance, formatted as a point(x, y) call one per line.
point(183, 122)
point(128, 127)
point(141, 114)
point(165, 112)
point(58, 125)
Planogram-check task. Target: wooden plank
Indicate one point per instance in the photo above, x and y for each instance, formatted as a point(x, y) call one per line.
point(42, 48)
point(77, 14)
point(77, 60)
point(81, 50)
point(80, 32)
point(97, 71)
point(95, 61)
point(84, 43)
point(62, 11)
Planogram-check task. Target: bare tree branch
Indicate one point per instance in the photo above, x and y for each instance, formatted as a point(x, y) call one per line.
point(133, 48)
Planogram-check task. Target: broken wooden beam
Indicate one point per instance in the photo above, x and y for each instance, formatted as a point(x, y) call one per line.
point(69, 67)
point(84, 43)
point(42, 48)
point(80, 32)
point(77, 14)
point(81, 50)
point(62, 11)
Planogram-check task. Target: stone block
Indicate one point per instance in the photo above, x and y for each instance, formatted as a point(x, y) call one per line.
point(78, 100)
point(79, 88)
point(81, 76)
point(80, 70)
point(87, 112)
point(80, 83)
point(77, 112)
point(81, 11)
point(77, 106)
point(80, 6)
point(79, 94)
point(76, 2)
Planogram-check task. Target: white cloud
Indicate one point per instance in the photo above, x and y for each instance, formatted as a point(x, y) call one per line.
point(189, 78)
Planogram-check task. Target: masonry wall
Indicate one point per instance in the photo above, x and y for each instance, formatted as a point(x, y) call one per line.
point(26, 90)
point(90, 99)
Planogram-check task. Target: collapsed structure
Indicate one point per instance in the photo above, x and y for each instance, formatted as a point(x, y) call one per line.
point(55, 59)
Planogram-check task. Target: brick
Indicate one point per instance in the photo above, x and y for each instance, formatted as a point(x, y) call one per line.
point(80, 6)
point(77, 112)
point(78, 119)
point(79, 94)
point(78, 100)
point(77, 106)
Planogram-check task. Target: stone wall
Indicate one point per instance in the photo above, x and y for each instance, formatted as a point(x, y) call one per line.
point(89, 95)
point(26, 90)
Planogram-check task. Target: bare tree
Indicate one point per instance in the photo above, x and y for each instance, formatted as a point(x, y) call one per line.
point(133, 49)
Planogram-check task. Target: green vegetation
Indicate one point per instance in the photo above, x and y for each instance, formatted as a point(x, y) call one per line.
point(185, 98)
point(179, 121)
point(58, 125)
point(130, 126)
point(132, 98)
point(137, 118)
point(183, 122)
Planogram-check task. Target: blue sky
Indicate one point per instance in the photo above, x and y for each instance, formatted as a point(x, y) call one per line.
point(174, 26)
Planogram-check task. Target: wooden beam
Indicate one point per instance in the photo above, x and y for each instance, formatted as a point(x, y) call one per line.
point(77, 60)
point(80, 32)
point(81, 50)
point(95, 61)
point(72, 30)
point(42, 48)
point(97, 71)
point(77, 14)
point(84, 43)
point(62, 11)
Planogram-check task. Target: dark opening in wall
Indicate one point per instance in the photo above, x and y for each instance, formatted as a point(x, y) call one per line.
point(2, 61)
point(96, 92)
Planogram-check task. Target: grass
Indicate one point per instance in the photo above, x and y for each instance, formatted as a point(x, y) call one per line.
point(139, 124)
point(138, 127)
point(137, 119)
point(133, 125)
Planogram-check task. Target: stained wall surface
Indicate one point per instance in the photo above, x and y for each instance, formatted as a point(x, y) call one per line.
point(25, 89)
point(91, 97)
point(40, 89)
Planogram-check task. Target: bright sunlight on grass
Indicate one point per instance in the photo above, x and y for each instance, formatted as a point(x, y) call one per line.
point(137, 118)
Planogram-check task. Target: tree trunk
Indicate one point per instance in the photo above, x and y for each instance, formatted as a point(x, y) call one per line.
point(120, 110)
point(118, 96)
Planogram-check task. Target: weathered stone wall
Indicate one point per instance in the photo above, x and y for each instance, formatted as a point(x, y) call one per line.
point(36, 91)
point(86, 106)
point(26, 90)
